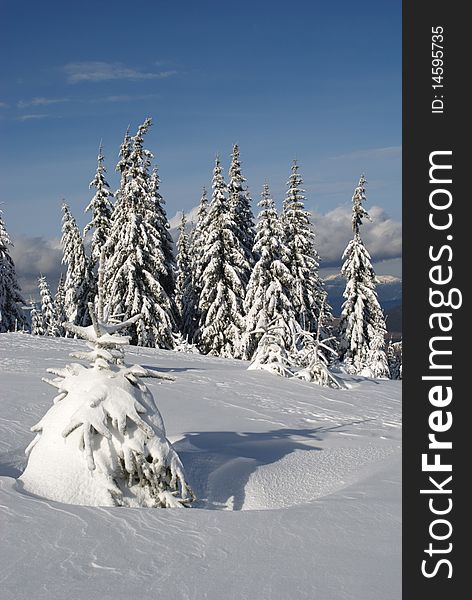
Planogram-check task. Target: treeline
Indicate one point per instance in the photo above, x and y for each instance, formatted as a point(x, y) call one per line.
point(234, 289)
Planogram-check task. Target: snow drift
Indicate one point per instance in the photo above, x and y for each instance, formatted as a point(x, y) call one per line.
point(298, 489)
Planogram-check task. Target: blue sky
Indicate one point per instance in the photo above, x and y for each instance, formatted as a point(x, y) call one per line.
point(312, 80)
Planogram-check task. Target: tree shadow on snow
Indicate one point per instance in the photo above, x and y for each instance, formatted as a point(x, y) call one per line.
point(220, 463)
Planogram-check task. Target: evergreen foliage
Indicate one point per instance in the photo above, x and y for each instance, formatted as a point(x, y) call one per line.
point(48, 310)
point(161, 224)
point(135, 264)
point(78, 285)
point(103, 442)
point(197, 257)
point(101, 208)
point(184, 296)
point(59, 304)
point(268, 297)
point(11, 313)
point(271, 353)
point(302, 258)
point(222, 294)
point(123, 161)
point(362, 326)
point(239, 203)
point(37, 320)
point(394, 358)
point(315, 351)
point(234, 290)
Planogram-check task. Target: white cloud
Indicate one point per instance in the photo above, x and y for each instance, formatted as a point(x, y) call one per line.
point(40, 102)
point(126, 98)
point(102, 71)
point(32, 117)
point(4, 105)
point(190, 215)
point(35, 256)
point(382, 237)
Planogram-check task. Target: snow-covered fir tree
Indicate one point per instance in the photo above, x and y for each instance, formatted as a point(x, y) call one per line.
point(222, 294)
point(362, 327)
point(37, 321)
point(162, 226)
point(123, 162)
point(78, 286)
point(12, 317)
point(197, 245)
point(122, 167)
point(239, 203)
point(101, 209)
point(48, 309)
point(184, 296)
point(135, 263)
point(302, 258)
point(268, 298)
point(59, 305)
point(103, 442)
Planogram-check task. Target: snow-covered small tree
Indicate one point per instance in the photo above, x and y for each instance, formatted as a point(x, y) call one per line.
point(184, 296)
point(302, 258)
point(181, 344)
point(268, 295)
point(135, 263)
point(362, 327)
point(315, 351)
point(48, 309)
point(37, 320)
point(222, 294)
point(271, 353)
point(78, 286)
point(11, 314)
point(103, 442)
point(377, 362)
point(101, 208)
point(239, 203)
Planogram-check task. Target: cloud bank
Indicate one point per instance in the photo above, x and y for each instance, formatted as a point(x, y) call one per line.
point(382, 237)
point(35, 256)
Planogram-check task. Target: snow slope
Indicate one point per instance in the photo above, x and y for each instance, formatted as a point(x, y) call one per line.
point(298, 487)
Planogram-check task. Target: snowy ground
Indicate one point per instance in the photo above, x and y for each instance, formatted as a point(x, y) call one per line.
point(298, 487)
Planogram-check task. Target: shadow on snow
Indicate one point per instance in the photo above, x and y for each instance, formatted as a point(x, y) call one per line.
point(220, 463)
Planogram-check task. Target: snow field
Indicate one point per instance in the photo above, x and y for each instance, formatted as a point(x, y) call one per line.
point(298, 489)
